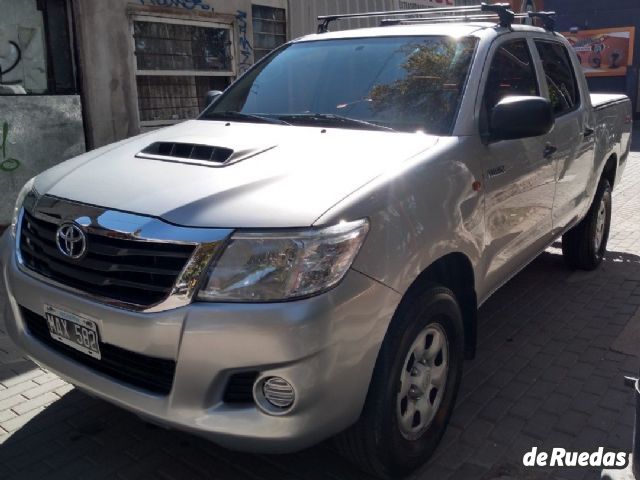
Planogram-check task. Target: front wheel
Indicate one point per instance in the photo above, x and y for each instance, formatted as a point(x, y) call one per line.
point(585, 244)
point(413, 389)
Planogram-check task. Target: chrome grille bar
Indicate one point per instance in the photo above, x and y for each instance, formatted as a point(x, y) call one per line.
point(133, 262)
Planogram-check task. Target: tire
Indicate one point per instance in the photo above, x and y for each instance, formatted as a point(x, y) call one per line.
point(584, 246)
point(385, 441)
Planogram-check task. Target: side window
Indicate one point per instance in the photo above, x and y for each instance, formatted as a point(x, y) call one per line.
point(563, 88)
point(511, 73)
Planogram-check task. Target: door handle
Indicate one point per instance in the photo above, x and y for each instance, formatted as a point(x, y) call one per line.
point(549, 150)
point(588, 132)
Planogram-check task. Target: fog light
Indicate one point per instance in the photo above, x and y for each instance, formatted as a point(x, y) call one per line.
point(278, 392)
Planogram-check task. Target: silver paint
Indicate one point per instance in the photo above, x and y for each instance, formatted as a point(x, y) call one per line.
point(417, 191)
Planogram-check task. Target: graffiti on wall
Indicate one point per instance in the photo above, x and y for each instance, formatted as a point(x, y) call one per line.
point(7, 164)
point(13, 64)
point(23, 59)
point(246, 50)
point(40, 131)
point(187, 4)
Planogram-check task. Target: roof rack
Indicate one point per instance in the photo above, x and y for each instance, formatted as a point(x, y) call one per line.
point(446, 18)
point(483, 11)
point(548, 19)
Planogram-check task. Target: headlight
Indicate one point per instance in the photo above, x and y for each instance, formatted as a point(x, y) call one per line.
point(28, 187)
point(259, 267)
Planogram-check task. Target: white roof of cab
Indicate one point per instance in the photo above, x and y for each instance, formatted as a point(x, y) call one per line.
point(476, 29)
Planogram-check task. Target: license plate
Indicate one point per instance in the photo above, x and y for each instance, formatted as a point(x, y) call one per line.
point(73, 330)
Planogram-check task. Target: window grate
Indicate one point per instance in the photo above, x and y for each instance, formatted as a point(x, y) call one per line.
point(174, 98)
point(269, 29)
point(168, 46)
point(177, 63)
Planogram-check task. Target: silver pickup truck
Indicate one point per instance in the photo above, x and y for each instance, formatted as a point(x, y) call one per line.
point(306, 259)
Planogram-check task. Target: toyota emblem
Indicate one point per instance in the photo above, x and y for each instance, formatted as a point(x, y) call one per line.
point(71, 241)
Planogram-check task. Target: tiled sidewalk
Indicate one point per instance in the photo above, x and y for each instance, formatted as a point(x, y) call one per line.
point(545, 375)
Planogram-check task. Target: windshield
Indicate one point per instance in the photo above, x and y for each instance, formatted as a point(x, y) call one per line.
point(400, 83)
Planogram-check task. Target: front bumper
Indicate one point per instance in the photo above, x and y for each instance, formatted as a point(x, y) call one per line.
point(325, 346)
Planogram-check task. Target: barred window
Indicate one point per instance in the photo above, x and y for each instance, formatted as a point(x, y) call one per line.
point(177, 63)
point(269, 29)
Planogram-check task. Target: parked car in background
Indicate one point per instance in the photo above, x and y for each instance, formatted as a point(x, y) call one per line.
point(306, 259)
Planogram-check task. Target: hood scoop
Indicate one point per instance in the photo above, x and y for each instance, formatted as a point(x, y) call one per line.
point(196, 154)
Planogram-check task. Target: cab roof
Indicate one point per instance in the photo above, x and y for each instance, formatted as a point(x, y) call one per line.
point(451, 29)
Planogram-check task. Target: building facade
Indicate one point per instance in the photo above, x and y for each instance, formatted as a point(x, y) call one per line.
point(149, 63)
point(41, 118)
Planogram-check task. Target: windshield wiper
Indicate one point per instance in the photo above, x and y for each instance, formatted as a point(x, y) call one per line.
point(243, 116)
point(332, 119)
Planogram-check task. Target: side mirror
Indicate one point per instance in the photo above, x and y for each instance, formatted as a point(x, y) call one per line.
point(212, 95)
point(520, 117)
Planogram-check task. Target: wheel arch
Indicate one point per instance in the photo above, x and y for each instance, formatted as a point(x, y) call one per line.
point(454, 271)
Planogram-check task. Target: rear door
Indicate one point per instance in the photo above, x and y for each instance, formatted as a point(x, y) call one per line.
point(572, 137)
point(519, 178)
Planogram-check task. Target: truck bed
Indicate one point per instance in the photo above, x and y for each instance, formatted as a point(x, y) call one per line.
point(601, 100)
point(613, 122)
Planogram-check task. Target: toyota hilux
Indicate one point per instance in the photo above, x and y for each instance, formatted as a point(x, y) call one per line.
point(306, 259)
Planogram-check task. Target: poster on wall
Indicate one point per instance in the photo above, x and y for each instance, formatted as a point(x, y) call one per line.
point(604, 53)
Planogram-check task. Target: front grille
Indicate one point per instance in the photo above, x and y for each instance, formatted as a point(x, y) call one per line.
point(131, 271)
point(240, 387)
point(147, 373)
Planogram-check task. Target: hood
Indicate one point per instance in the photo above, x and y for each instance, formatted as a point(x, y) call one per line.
point(279, 176)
